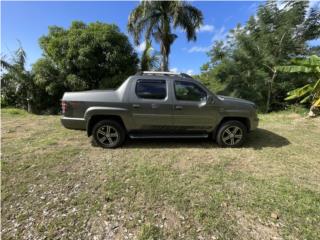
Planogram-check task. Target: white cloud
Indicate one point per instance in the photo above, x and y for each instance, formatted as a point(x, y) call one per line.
point(219, 34)
point(140, 48)
point(206, 28)
point(190, 71)
point(175, 70)
point(199, 49)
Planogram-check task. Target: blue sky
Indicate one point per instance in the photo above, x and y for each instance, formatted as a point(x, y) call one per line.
point(27, 21)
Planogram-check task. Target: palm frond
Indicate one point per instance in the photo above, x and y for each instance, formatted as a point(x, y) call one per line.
point(4, 64)
point(20, 57)
point(149, 61)
point(189, 19)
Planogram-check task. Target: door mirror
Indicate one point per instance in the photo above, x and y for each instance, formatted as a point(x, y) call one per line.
point(210, 99)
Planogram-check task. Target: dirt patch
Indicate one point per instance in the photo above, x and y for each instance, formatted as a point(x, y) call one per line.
point(251, 227)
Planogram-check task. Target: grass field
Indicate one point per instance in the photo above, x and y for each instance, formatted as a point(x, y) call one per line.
point(55, 185)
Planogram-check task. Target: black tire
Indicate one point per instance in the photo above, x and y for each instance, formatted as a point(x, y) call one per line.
point(108, 134)
point(231, 134)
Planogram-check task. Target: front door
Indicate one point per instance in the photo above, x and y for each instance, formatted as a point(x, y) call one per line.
point(191, 110)
point(151, 107)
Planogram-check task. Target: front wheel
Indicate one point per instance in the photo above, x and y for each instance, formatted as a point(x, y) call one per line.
point(108, 134)
point(231, 134)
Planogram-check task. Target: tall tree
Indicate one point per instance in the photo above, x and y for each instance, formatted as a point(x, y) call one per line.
point(157, 18)
point(87, 55)
point(84, 56)
point(247, 62)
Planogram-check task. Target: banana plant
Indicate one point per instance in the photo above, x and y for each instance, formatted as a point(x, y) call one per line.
point(311, 91)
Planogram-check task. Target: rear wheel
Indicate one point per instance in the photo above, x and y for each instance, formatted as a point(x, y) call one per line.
point(231, 134)
point(108, 134)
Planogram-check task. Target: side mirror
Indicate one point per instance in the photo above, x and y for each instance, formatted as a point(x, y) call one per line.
point(210, 99)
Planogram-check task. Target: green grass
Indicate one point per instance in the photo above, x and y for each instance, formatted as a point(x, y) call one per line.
point(56, 185)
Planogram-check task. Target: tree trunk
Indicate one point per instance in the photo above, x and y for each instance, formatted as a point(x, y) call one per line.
point(164, 61)
point(270, 83)
point(165, 43)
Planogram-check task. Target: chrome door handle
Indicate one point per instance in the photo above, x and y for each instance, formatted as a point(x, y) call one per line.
point(178, 107)
point(136, 105)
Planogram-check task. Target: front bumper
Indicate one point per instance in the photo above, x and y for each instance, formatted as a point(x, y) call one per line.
point(254, 124)
point(73, 123)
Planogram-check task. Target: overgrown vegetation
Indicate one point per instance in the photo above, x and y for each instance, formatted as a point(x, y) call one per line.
point(245, 65)
point(311, 91)
point(56, 185)
point(17, 85)
point(99, 56)
point(150, 60)
point(82, 57)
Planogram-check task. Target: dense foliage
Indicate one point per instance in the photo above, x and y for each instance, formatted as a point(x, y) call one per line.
point(311, 91)
point(245, 65)
point(157, 18)
point(16, 82)
point(82, 57)
point(150, 61)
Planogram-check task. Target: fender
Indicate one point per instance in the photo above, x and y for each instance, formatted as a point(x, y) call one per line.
point(123, 113)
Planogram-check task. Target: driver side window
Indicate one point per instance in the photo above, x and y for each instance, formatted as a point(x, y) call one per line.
point(188, 91)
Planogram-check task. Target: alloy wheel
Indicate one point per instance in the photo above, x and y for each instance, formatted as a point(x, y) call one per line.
point(232, 135)
point(107, 135)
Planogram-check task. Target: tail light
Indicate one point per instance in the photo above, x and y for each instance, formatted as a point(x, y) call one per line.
point(63, 106)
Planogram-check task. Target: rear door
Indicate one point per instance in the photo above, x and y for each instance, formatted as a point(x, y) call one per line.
point(151, 106)
point(192, 112)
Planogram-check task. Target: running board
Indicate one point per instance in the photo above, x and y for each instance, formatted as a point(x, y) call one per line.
point(150, 136)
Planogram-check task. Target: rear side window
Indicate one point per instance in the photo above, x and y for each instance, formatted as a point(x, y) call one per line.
point(188, 91)
point(151, 89)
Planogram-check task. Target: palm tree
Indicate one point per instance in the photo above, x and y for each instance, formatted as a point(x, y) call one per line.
point(311, 91)
point(16, 81)
point(149, 61)
point(157, 18)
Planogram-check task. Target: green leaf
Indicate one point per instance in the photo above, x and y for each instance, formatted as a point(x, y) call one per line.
point(306, 99)
point(299, 92)
point(294, 69)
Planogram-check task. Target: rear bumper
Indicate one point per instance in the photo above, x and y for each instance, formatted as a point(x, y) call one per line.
point(73, 123)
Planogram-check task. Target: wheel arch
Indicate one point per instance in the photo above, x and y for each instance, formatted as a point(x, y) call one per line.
point(243, 120)
point(97, 118)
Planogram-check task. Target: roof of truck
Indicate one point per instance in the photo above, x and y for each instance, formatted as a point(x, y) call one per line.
point(164, 74)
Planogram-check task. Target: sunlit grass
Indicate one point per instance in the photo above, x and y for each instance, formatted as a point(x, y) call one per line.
point(56, 185)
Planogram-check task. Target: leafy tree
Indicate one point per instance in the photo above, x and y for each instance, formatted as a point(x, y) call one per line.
point(83, 57)
point(89, 54)
point(149, 61)
point(311, 91)
point(246, 63)
point(156, 18)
